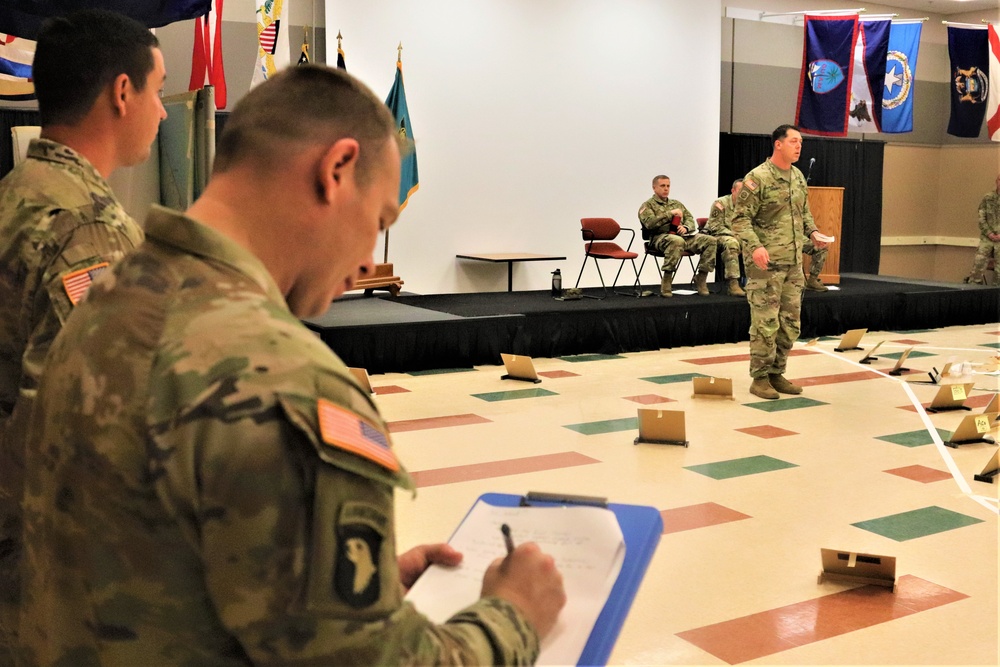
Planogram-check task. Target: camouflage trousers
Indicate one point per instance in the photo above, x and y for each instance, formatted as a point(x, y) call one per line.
point(775, 307)
point(987, 250)
point(672, 245)
point(818, 258)
point(729, 247)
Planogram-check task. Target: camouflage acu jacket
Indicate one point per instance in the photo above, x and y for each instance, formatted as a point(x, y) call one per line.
point(989, 214)
point(207, 484)
point(772, 210)
point(720, 219)
point(654, 215)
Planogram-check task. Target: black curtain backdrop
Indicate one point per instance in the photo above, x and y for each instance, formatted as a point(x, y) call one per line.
point(855, 165)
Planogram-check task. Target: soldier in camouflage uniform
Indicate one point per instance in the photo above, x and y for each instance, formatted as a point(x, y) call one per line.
point(669, 223)
point(98, 77)
point(773, 221)
point(720, 225)
point(989, 239)
point(226, 485)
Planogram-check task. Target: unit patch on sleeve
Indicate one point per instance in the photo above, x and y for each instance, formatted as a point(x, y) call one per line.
point(77, 283)
point(346, 430)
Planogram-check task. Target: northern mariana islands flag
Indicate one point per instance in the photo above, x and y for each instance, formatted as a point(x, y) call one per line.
point(900, 77)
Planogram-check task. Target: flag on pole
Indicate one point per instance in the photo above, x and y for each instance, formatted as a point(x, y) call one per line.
point(968, 49)
point(24, 17)
point(341, 61)
point(868, 81)
point(16, 55)
point(993, 101)
point(900, 77)
point(304, 52)
point(409, 181)
point(827, 72)
point(272, 39)
point(206, 58)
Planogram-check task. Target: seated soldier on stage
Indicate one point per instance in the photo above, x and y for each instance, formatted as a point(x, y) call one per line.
point(720, 225)
point(674, 231)
point(818, 259)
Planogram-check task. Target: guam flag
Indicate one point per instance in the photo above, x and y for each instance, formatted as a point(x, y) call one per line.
point(968, 48)
point(409, 181)
point(870, 54)
point(827, 72)
point(900, 77)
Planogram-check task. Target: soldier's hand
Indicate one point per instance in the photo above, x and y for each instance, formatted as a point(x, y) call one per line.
point(677, 211)
point(682, 230)
point(816, 242)
point(413, 563)
point(528, 579)
point(761, 258)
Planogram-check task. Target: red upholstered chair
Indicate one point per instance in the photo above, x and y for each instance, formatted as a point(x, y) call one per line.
point(599, 235)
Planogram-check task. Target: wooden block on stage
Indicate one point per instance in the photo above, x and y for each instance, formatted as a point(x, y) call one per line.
point(857, 568)
point(713, 387)
point(383, 278)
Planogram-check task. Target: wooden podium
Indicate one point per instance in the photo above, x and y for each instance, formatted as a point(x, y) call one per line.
point(827, 207)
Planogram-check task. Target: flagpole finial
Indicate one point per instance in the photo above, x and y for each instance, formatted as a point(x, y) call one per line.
point(339, 38)
point(399, 53)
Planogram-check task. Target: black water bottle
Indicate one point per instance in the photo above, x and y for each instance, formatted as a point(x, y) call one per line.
point(556, 283)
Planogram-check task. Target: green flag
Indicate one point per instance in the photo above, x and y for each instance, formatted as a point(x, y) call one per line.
point(409, 181)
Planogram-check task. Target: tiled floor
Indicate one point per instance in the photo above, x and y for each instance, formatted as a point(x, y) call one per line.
point(747, 506)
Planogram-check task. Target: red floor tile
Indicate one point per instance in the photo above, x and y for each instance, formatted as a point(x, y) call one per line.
point(649, 399)
point(977, 401)
point(909, 341)
point(435, 422)
point(766, 431)
point(837, 378)
point(490, 469)
point(919, 473)
point(558, 374)
point(390, 389)
point(775, 630)
point(698, 516)
point(704, 361)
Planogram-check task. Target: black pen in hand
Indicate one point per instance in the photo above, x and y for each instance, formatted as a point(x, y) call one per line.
point(507, 539)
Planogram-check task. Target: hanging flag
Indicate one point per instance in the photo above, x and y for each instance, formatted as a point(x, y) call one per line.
point(272, 39)
point(409, 181)
point(827, 72)
point(900, 77)
point(968, 49)
point(993, 101)
point(16, 55)
point(304, 52)
point(24, 17)
point(206, 58)
point(868, 80)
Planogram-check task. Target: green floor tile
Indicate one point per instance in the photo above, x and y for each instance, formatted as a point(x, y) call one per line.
point(668, 379)
point(514, 394)
point(785, 404)
point(995, 346)
point(917, 523)
point(913, 331)
point(914, 438)
point(441, 371)
point(750, 465)
point(606, 426)
point(826, 338)
point(913, 355)
point(591, 357)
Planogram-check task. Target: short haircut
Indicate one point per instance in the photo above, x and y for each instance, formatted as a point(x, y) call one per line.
point(781, 131)
point(735, 183)
point(658, 178)
point(79, 55)
point(301, 107)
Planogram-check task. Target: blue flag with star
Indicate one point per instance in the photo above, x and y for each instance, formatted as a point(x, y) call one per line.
point(900, 77)
point(408, 181)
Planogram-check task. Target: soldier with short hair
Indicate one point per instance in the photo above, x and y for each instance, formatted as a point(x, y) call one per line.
point(989, 239)
point(674, 231)
point(98, 78)
point(226, 485)
point(773, 222)
point(719, 225)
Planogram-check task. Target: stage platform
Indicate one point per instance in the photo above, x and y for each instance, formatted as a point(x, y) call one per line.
point(413, 332)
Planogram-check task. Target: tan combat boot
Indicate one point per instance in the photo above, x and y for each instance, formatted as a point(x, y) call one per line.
point(815, 284)
point(701, 283)
point(666, 285)
point(761, 387)
point(781, 384)
point(734, 287)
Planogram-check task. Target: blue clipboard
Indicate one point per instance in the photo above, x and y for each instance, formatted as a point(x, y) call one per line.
point(641, 527)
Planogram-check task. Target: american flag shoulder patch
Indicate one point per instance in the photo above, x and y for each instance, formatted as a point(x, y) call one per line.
point(750, 184)
point(77, 283)
point(345, 430)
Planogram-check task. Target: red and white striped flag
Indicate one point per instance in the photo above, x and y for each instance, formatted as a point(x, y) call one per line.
point(993, 98)
point(77, 283)
point(206, 58)
point(272, 39)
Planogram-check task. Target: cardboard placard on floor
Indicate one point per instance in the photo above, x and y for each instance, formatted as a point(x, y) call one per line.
point(858, 568)
point(951, 397)
point(973, 428)
point(870, 356)
point(661, 427)
point(990, 470)
point(850, 340)
point(898, 368)
point(361, 375)
point(519, 367)
point(713, 387)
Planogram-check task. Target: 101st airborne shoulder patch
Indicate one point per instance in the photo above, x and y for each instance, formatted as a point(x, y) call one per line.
point(77, 283)
point(361, 530)
point(345, 430)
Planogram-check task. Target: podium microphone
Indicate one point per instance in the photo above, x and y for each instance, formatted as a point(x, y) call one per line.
point(812, 161)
